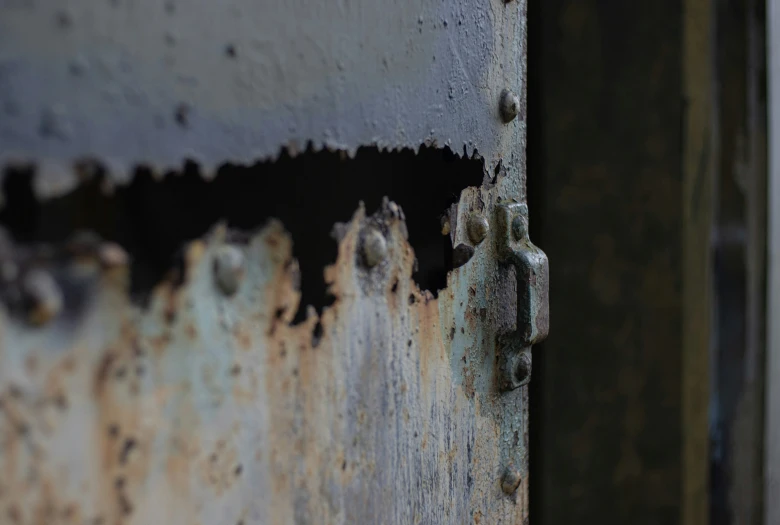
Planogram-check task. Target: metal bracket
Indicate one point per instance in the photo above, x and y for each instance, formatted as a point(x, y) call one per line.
point(533, 311)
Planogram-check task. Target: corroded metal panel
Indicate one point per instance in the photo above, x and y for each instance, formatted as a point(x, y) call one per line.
point(152, 83)
point(207, 407)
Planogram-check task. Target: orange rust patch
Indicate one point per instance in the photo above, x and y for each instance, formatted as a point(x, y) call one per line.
point(160, 343)
point(31, 364)
point(468, 382)
point(102, 372)
point(194, 253)
point(242, 337)
point(191, 332)
point(69, 364)
point(429, 338)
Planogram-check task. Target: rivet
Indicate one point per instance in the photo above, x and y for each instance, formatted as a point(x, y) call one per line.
point(228, 268)
point(42, 297)
point(477, 228)
point(510, 480)
point(112, 255)
point(461, 254)
point(523, 368)
point(519, 228)
point(509, 105)
point(374, 247)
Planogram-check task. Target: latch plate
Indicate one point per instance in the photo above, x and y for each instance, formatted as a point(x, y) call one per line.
point(533, 312)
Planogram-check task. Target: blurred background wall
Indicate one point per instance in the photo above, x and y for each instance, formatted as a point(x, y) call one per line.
point(647, 183)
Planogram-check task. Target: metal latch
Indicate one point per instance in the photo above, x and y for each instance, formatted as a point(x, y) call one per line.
point(533, 311)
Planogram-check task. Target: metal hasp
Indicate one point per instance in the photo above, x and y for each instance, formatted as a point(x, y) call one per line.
point(533, 309)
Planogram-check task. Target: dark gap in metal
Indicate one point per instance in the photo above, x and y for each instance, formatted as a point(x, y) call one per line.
point(21, 212)
point(316, 335)
point(153, 218)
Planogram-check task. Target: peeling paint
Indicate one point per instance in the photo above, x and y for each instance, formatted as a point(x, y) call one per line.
point(213, 408)
point(208, 404)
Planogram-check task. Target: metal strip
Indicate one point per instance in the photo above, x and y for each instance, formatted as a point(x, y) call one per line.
point(772, 411)
point(155, 83)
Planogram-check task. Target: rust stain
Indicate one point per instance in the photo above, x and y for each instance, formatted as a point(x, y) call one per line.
point(243, 337)
point(191, 332)
point(102, 372)
point(31, 364)
point(159, 343)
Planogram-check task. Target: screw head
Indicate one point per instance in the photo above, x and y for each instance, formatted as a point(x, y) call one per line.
point(42, 297)
point(374, 247)
point(228, 268)
point(509, 105)
point(510, 480)
point(477, 227)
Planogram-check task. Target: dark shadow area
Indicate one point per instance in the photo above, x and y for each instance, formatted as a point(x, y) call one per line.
point(604, 164)
point(739, 257)
point(309, 193)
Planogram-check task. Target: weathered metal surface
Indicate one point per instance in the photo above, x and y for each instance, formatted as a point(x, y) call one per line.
point(153, 83)
point(210, 408)
point(771, 510)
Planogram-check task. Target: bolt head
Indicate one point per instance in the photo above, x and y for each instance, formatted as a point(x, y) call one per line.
point(228, 268)
point(510, 480)
point(477, 228)
point(374, 247)
point(509, 105)
point(42, 297)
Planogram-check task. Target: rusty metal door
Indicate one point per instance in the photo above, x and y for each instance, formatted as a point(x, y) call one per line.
point(205, 401)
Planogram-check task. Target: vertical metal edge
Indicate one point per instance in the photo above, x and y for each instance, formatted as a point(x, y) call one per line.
point(772, 405)
point(749, 431)
point(699, 138)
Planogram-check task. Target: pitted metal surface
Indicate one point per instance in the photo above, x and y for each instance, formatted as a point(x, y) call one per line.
point(208, 407)
point(153, 83)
